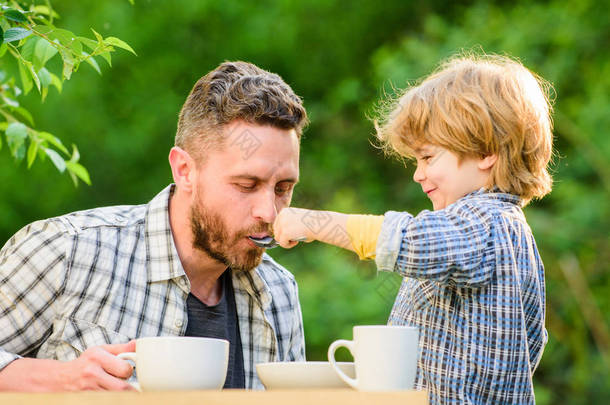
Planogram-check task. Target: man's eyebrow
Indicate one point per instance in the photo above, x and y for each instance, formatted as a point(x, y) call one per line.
point(258, 179)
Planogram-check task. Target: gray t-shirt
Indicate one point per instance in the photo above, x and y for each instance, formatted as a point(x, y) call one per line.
point(219, 321)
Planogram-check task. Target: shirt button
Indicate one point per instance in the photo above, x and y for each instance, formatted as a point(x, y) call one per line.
point(178, 323)
point(182, 282)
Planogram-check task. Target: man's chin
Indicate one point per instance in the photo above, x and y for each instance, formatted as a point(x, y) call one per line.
point(248, 261)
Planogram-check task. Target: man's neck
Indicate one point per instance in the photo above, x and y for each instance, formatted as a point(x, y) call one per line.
point(202, 271)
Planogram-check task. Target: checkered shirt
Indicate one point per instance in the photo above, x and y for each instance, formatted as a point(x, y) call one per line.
point(474, 286)
point(108, 275)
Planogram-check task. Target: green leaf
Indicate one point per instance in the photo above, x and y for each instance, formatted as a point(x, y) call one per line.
point(42, 53)
point(53, 141)
point(55, 81)
point(32, 150)
point(44, 29)
point(45, 10)
point(75, 154)
point(1, 35)
point(89, 43)
point(45, 77)
point(119, 43)
point(26, 79)
point(19, 152)
point(25, 114)
point(73, 177)
point(9, 101)
point(99, 38)
point(107, 57)
point(33, 73)
point(45, 81)
point(68, 64)
point(16, 34)
point(27, 50)
point(16, 134)
point(16, 130)
point(57, 160)
point(3, 49)
point(15, 15)
point(91, 60)
point(80, 171)
point(67, 38)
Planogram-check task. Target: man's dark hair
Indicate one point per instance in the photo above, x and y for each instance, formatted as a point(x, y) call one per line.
point(236, 91)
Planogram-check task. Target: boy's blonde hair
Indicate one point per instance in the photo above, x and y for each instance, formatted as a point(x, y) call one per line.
point(476, 106)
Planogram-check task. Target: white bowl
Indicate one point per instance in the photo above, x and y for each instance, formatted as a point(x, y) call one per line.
point(310, 374)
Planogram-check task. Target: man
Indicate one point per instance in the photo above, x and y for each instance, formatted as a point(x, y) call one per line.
point(77, 289)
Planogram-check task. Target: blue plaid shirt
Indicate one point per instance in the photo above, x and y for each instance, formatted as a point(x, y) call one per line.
point(474, 286)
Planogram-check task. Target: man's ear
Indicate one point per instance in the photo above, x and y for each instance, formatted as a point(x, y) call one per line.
point(487, 162)
point(183, 168)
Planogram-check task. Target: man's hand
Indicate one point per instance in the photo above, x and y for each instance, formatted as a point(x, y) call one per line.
point(97, 368)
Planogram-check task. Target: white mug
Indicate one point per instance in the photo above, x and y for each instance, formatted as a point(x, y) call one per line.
point(180, 363)
point(385, 357)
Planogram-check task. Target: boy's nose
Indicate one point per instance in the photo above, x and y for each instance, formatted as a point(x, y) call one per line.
point(418, 176)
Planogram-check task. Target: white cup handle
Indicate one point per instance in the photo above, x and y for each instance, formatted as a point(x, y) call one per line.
point(131, 356)
point(127, 356)
point(349, 345)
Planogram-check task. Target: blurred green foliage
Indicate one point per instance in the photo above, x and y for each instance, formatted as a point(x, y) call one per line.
point(341, 57)
point(30, 40)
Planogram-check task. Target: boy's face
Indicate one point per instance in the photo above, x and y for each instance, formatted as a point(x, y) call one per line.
point(446, 179)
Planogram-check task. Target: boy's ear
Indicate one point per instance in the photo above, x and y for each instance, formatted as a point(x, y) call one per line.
point(487, 162)
point(183, 168)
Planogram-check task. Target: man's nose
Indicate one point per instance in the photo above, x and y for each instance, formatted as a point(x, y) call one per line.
point(264, 208)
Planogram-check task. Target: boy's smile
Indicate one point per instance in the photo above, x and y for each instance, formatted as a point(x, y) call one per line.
point(445, 178)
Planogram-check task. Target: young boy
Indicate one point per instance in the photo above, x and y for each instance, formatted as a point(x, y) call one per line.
point(480, 131)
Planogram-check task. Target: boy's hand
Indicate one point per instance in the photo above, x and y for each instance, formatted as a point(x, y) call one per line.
point(290, 226)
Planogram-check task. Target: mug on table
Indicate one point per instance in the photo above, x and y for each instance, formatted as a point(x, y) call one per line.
point(385, 357)
point(179, 362)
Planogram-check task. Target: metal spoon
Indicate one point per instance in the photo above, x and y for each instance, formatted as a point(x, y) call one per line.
point(268, 242)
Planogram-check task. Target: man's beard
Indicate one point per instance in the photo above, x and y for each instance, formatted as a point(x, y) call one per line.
point(211, 236)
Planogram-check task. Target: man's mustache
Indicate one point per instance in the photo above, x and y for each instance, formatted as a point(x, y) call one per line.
point(261, 228)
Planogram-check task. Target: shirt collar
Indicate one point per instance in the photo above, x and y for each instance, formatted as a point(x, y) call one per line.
point(163, 262)
point(254, 284)
point(495, 193)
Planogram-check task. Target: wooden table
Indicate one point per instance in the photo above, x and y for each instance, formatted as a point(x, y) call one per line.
point(226, 397)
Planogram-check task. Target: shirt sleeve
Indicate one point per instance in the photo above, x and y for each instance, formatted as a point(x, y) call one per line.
point(32, 273)
point(296, 351)
point(445, 246)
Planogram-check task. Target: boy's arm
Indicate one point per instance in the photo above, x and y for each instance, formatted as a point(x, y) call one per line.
point(440, 245)
point(357, 233)
point(329, 227)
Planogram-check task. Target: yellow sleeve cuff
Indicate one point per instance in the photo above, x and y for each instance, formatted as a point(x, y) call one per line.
point(363, 231)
